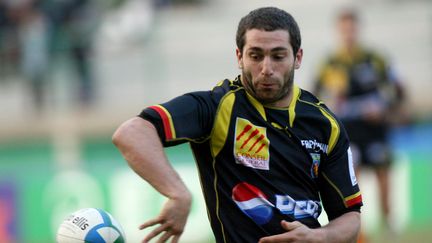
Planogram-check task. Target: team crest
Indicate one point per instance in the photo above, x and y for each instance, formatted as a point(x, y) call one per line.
point(251, 145)
point(316, 158)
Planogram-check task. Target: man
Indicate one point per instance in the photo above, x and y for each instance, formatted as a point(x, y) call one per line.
point(358, 85)
point(267, 151)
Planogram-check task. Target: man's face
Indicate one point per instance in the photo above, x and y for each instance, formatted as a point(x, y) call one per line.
point(348, 31)
point(268, 64)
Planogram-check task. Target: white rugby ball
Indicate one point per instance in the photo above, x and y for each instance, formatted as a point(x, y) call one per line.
point(90, 225)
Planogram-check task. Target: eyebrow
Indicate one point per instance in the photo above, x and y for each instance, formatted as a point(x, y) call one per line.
point(276, 49)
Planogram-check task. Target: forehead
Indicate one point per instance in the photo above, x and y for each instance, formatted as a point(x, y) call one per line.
point(255, 38)
point(346, 21)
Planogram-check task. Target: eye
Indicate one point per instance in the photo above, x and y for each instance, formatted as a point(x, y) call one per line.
point(279, 56)
point(255, 56)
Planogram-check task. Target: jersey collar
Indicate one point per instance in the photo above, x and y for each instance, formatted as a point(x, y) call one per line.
point(291, 108)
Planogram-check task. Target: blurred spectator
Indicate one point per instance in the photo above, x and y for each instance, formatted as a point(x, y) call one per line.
point(71, 25)
point(9, 48)
point(35, 33)
point(362, 89)
point(33, 48)
point(128, 23)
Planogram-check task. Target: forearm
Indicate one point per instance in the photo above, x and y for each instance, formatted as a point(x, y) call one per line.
point(343, 229)
point(140, 145)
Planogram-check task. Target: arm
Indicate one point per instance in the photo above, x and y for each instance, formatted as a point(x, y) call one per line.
point(140, 145)
point(343, 229)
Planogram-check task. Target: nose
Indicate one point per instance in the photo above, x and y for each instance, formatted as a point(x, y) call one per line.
point(267, 67)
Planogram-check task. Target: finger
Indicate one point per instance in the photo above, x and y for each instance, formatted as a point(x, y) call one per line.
point(175, 239)
point(165, 237)
point(288, 226)
point(155, 232)
point(274, 239)
point(150, 223)
point(285, 237)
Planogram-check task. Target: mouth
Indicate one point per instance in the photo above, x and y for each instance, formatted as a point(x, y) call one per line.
point(267, 82)
point(268, 85)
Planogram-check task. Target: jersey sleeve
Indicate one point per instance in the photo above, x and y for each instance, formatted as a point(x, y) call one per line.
point(183, 119)
point(339, 189)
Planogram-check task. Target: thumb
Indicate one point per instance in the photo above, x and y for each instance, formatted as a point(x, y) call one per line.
point(288, 226)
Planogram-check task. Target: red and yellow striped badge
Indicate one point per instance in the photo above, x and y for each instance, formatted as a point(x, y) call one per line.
point(251, 145)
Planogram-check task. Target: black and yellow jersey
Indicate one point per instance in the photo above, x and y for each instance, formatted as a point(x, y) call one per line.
point(258, 164)
point(354, 84)
point(350, 81)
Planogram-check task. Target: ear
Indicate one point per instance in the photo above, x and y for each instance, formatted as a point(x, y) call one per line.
point(239, 58)
point(299, 58)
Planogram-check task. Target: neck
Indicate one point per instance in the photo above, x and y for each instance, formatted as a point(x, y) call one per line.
point(284, 102)
point(350, 47)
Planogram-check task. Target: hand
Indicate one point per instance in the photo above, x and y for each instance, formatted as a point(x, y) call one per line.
point(171, 220)
point(373, 112)
point(296, 232)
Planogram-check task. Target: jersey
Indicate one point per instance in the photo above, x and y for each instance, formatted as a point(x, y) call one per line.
point(353, 85)
point(258, 164)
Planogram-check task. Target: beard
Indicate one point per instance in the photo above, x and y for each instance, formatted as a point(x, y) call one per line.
point(266, 94)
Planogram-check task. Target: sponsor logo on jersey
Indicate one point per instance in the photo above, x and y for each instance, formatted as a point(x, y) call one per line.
point(315, 146)
point(316, 159)
point(298, 208)
point(251, 145)
point(351, 167)
point(253, 202)
point(256, 205)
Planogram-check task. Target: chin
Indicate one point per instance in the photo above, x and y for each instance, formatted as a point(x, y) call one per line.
point(267, 100)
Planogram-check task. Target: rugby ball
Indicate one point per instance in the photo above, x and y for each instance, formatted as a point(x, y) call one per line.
point(90, 225)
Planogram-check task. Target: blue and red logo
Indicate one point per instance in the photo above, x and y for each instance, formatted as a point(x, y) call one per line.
point(253, 202)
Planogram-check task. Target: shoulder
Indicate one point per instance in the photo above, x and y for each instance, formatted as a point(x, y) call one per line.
point(311, 106)
point(318, 119)
point(375, 56)
point(372, 52)
point(307, 99)
point(333, 56)
point(215, 94)
point(308, 105)
point(225, 87)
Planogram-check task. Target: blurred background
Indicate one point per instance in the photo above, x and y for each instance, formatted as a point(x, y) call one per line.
point(71, 71)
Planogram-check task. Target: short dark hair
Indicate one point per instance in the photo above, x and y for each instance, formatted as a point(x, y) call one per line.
point(348, 14)
point(269, 19)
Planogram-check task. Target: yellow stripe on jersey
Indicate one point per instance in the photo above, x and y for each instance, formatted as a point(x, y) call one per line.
point(335, 188)
point(220, 83)
point(218, 138)
point(348, 201)
point(292, 105)
point(258, 106)
point(352, 196)
point(167, 122)
point(221, 124)
point(335, 130)
point(215, 182)
point(353, 199)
